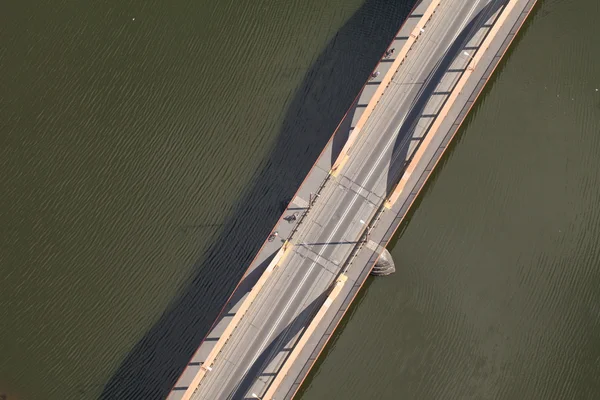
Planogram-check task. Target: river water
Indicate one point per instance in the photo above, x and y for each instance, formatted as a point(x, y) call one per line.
point(147, 148)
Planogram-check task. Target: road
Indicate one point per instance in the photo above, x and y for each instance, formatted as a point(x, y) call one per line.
point(336, 221)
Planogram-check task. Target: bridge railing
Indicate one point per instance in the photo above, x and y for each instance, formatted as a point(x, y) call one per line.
point(311, 201)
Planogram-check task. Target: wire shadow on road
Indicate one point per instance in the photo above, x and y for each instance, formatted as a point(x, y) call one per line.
point(329, 87)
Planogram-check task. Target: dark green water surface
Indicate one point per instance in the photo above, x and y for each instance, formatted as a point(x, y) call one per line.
point(146, 148)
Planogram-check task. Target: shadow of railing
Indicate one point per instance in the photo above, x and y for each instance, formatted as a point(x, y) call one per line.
point(358, 299)
point(257, 369)
point(153, 365)
point(244, 287)
point(405, 136)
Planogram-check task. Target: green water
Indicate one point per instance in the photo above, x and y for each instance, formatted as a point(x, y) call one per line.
point(146, 149)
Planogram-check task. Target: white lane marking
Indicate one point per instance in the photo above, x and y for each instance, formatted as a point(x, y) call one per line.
point(355, 197)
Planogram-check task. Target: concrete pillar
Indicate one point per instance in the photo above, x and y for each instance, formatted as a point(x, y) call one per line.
point(384, 265)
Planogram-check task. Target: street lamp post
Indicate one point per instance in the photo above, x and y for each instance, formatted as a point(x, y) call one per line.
point(471, 67)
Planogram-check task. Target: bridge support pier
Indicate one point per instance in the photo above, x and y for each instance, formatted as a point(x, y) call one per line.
point(384, 265)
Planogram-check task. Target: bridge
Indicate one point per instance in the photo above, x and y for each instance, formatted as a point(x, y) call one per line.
point(305, 276)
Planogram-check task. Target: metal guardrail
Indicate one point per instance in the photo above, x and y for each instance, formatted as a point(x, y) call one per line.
point(334, 291)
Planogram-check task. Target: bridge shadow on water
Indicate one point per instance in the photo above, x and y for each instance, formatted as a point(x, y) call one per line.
point(153, 365)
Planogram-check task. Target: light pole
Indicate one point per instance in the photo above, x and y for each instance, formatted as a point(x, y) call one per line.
point(471, 67)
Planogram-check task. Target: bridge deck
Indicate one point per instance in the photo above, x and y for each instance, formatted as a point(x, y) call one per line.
point(334, 227)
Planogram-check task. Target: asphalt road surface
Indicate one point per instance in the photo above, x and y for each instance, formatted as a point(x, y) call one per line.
point(272, 325)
